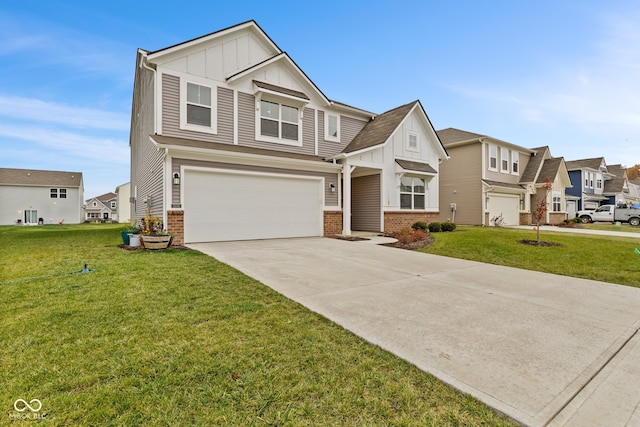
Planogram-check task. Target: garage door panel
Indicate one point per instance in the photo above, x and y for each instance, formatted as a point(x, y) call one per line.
point(234, 206)
point(506, 205)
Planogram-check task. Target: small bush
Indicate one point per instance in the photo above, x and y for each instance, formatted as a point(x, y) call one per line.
point(420, 225)
point(448, 226)
point(407, 235)
point(435, 227)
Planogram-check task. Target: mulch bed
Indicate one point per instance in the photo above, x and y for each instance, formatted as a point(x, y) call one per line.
point(140, 248)
point(349, 238)
point(536, 243)
point(418, 244)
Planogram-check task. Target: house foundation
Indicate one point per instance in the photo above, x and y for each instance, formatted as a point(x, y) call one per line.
point(332, 223)
point(396, 221)
point(175, 226)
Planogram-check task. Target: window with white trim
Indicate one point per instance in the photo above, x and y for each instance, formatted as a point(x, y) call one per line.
point(412, 192)
point(198, 105)
point(412, 141)
point(279, 121)
point(62, 193)
point(586, 179)
point(53, 193)
point(599, 184)
point(515, 162)
point(493, 157)
point(113, 205)
point(556, 205)
point(332, 127)
point(504, 160)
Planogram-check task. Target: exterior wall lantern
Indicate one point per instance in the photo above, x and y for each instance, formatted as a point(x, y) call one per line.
point(332, 187)
point(176, 178)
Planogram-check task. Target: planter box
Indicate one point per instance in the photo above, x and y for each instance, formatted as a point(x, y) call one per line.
point(150, 241)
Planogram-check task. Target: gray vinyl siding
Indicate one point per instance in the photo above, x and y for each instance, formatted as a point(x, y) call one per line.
point(146, 161)
point(460, 183)
point(349, 128)
point(365, 203)
point(331, 199)
point(171, 113)
point(247, 129)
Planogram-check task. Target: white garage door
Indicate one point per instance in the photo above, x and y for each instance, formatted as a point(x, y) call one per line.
point(221, 206)
point(505, 205)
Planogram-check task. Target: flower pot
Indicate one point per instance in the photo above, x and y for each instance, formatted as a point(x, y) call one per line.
point(125, 237)
point(134, 240)
point(151, 241)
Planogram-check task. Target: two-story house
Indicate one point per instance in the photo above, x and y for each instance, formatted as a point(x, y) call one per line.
point(488, 181)
point(231, 140)
point(588, 179)
point(616, 189)
point(32, 197)
point(102, 208)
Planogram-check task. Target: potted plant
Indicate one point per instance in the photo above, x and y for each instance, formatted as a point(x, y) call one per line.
point(152, 233)
point(129, 229)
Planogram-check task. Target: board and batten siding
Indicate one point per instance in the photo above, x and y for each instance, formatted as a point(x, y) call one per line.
point(365, 203)
point(171, 113)
point(146, 160)
point(330, 198)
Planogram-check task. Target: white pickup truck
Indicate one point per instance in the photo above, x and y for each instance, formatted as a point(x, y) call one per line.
point(612, 213)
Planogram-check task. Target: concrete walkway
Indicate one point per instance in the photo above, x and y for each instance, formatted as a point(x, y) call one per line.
point(544, 228)
point(541, 348)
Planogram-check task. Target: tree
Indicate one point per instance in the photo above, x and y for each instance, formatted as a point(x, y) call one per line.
point(633, 172)
point(541, 209)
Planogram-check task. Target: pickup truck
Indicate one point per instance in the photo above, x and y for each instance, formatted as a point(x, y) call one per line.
point(612, 213)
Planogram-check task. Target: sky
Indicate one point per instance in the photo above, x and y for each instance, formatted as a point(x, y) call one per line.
point(565, 74)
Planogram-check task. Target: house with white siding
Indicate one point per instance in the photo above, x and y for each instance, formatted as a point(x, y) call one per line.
point(231, 140)
point(31, 197)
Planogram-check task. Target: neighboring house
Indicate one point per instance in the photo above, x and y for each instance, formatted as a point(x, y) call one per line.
point(488, 181)
point(616, 189)
point(231, 140)
point(123, 204)
point(541, 169)
point(634, 190)
point(30, 196)
point(102, 208)
point(588, 180)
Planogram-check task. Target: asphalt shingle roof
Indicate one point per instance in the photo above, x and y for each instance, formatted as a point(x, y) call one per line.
point(34, 177)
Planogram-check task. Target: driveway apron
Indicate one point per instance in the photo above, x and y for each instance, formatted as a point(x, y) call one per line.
point(541, 348)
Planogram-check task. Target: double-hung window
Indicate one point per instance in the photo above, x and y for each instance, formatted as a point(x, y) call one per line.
point(53, 193)
point(278, 120)
point(504, 160)
point(332, 127)
point(412, 192)
point(198, 105)
point(515, 162)
point(493, 157)
point(556, 206)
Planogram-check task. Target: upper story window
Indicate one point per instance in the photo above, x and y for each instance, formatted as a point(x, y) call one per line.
point(412, 192)
point(55, 193)
point(113, 205)
point(332, 127)
point(599, 184)
point(412, 141)
point(95, 204)
point(197, 105)
point(515, 162)
point(493, 157)
point(504, 160)
point(279, 121)
point(62, 193)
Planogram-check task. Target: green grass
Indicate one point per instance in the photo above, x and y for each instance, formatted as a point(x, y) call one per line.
point(177, 338)
point(597, 257)
point(606, 226)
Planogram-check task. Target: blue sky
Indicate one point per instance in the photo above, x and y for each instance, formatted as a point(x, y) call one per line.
point(558, 73)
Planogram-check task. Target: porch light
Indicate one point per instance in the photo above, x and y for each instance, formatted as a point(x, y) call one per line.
point(332, 187)
point(176, 178)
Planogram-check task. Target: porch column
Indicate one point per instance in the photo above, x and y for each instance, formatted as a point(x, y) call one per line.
point(346, 199)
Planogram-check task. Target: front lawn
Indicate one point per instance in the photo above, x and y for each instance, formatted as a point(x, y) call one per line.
point(177, 338)
point(597, 257)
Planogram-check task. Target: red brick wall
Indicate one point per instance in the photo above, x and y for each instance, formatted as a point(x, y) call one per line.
point(556, 217)
point(332, 223)
point(525, 218)
point(396, 221)
point(175, 226)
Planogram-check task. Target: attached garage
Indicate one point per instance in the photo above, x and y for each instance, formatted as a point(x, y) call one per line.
point(223, 205)
point(507, 205)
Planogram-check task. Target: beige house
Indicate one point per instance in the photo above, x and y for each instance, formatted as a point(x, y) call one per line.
point(490, 182)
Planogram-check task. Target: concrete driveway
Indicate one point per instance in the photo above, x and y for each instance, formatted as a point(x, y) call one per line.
point(541, 348)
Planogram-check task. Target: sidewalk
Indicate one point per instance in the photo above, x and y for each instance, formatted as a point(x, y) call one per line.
point(580, 230)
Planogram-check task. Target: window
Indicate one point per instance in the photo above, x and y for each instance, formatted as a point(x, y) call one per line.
point(412, 141)
point(515, 162)
point(504, 160)
point(30, 216)
point(113, 205)
point(412, 192)
point(198, 105)
point(599, 183)
point(586, 179)
point(278, 120)
point(556, 206)
point(493, 157)
point(53, 193)
point(332, 127)
point(95, 204)
point(62, 193)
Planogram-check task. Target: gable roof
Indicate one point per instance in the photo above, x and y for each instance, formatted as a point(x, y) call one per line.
point(43, 178)
point(549, 170)
point(585, 163)
point(533, 167)
point(616, 183)
point(106, 197)
point(452, 135)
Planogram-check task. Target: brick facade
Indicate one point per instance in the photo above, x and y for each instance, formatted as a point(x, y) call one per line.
point(332, 223)
point(396, 221)
point(556, 217)
point(175, 226)
point(525, 218)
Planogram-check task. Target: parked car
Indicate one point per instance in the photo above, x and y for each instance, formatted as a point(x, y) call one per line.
point(612, 213)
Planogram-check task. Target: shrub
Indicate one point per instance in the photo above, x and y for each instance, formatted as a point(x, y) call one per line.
point(408, 235)
point(435, 227)
point(448, 226)
point(420, 225)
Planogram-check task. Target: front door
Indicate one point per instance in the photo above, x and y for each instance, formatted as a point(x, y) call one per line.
point(105, 215)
